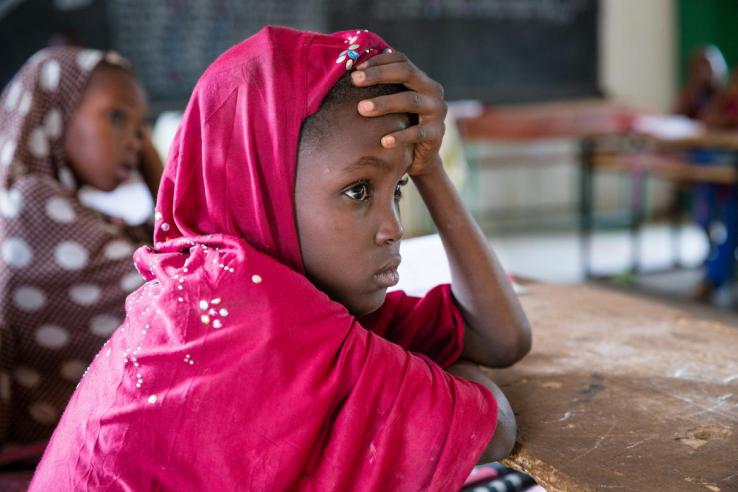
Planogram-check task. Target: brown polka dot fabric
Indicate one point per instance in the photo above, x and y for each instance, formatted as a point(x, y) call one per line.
point(65, 270)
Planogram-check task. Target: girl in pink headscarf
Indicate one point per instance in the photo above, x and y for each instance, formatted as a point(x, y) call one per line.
point(263, 352)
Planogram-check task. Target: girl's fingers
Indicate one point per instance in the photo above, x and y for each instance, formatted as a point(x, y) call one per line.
point(391, 73)
point(422, 132)
point(402, 72)
point(403, 102)
point(382, 59)
point(425, 98)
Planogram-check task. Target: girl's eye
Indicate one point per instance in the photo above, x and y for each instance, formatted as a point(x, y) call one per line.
point(117, 117)
point(398, 188)
point(359, 192)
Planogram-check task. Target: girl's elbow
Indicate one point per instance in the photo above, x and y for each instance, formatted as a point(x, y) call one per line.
point(503, 440)
point(511, 353)
point(500, 450)
point(524, 342)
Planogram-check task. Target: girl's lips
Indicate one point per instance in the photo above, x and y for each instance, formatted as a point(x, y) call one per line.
point(387, 277)
point(124, 171)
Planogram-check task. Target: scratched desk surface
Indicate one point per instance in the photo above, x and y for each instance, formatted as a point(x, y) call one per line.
point(620, 393)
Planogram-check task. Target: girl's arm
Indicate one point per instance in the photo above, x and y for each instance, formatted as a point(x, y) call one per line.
point(503, 439)
point(719, 114)
point(497, 332)
point(151, 167)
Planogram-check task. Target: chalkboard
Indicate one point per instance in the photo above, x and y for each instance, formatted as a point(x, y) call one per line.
point(172, 42)
point(27, 26)
point(491, 50)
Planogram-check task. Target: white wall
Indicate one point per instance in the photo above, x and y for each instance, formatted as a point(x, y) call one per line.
point(638, 51)
point(638, 56)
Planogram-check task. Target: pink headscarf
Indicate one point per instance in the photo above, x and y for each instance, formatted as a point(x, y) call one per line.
point(232, 371)
point(233, 172)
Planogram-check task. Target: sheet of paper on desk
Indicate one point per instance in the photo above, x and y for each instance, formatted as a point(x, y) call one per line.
point(424, 265)
point(668, 126)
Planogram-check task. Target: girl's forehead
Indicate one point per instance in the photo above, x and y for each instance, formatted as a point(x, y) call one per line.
point(116, 85)
point(354, 145)
point(368, 130)
point(113, 79)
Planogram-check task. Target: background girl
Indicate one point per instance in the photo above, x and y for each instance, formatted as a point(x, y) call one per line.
point(70, 117)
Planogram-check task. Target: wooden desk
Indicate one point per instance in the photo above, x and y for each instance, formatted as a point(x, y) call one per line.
point(623, 394)
point(665, 167)
point(535, 121)
point(588, 127)
point(640, 156)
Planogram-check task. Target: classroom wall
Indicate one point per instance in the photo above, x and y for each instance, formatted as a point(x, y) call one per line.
point(638, 66)
point(638, 51)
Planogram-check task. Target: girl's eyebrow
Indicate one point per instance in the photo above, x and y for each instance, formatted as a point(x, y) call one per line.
point(371, 161)
point(368, 160)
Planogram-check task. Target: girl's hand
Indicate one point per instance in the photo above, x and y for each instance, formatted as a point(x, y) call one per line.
point(151, 167)
point(424, 98)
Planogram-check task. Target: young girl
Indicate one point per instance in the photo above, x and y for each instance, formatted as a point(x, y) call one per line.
point(705, 78)
point(263, 353)
point(722, 112)
point(716, 206)
point(69, 117)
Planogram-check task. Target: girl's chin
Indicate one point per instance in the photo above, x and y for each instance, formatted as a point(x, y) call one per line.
point(369, 304)
point(106, 185)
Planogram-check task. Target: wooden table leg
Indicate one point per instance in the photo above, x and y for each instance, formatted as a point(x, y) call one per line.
point(586, 212)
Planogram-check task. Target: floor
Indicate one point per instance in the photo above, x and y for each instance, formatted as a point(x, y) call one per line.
point(555, 257)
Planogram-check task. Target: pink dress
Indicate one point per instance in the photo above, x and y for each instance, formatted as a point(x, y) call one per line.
point(232, 371)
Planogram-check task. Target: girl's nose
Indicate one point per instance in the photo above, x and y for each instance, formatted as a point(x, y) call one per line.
point(134, 140)
point(390, 226)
